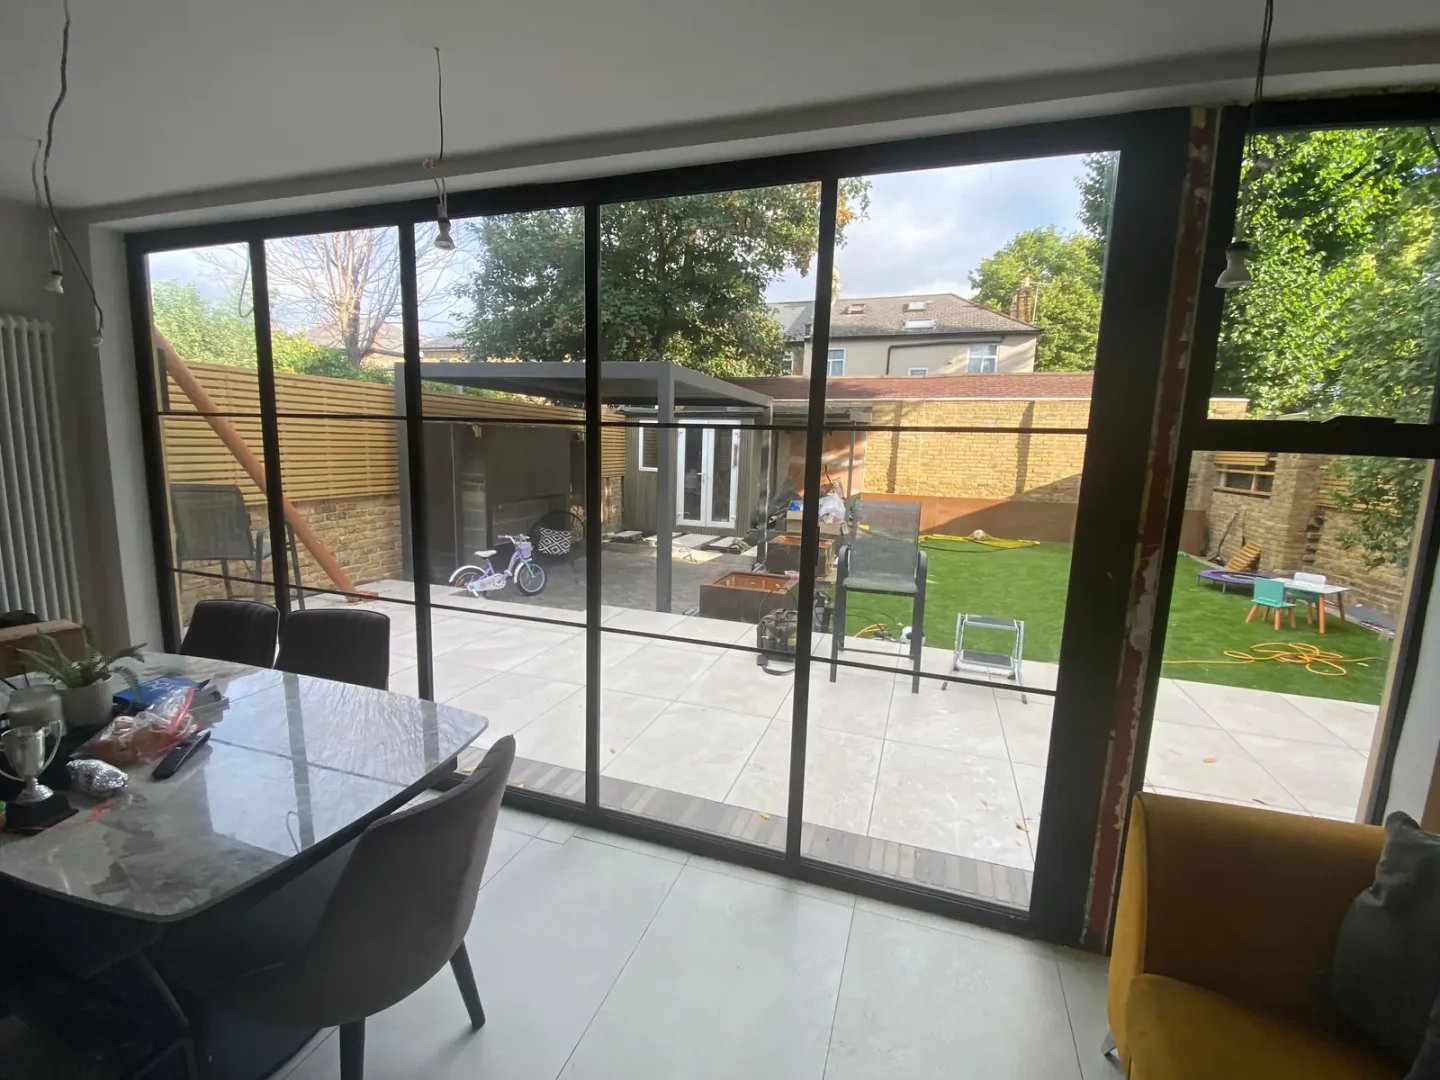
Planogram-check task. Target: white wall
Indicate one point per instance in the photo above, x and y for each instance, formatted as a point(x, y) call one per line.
point(1415, 757)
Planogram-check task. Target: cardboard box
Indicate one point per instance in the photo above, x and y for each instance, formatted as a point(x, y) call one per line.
point(833, 529)
point(68, 635)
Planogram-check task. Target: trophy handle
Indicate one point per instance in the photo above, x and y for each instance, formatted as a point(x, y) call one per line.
point(53, 727)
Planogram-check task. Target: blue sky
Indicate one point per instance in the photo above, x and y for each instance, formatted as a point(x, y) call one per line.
point(927, 230)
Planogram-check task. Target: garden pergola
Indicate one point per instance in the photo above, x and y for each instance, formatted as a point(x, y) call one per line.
point(660, 385)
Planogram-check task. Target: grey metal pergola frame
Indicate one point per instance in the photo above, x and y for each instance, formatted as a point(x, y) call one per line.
point(660, 384)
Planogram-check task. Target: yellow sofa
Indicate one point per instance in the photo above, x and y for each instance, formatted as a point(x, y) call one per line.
point(1226, 916)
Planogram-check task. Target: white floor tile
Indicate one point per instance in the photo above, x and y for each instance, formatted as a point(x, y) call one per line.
point(947, 716)
point(1208, 761)
point(1030, 783)
point(1325, 780)
point(507, 648)
point(1349, 721)
point(856, 702)
point(1082, 977)
point(692, 749)
point(510, 701)
point(733, 979)
point(557, 737)
point(652, 622)
point(840, 772)
point(1027, 727)
point(452, 680)
point(658, 670)
point(736, 682)
point(919, 1003)
point(1257, 712)
point(1174, 706)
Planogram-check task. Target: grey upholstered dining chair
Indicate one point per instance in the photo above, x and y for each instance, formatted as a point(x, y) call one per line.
point(363, 929)
point(334, 643)
point(240, 631)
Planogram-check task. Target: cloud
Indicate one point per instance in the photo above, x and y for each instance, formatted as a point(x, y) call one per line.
point(928, 230)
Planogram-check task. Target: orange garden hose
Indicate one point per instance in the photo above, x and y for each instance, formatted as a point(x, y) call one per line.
point(1311, 657)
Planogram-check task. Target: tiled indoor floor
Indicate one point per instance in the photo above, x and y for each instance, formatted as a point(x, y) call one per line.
point(601, 957)
point(958, 769)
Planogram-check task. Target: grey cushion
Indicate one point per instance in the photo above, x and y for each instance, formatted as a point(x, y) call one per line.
point(1427, 1063)
point(1385, 977)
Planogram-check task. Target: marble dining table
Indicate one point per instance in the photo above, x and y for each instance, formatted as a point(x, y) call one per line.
point(295, 767)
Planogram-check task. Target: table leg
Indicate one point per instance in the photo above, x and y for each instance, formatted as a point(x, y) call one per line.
point(1320, 604)
point(1340, 605)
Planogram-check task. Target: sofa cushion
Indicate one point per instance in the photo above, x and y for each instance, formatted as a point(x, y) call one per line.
point(1386, 972)
point(1180, 1032)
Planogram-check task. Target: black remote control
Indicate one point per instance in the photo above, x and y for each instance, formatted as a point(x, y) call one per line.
point(179, 754)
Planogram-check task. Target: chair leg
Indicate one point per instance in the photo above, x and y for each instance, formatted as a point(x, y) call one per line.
point(295, 565)
point(352, 1051)
point(1107, 1045)
point(1277, 618)
point(465, 979)
point(837, 631)
point(1253, 609)
point(1292, 618)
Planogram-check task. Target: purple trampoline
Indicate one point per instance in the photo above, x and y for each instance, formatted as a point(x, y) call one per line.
point(1243, 579)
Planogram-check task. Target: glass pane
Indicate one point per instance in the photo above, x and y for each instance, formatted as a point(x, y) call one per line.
point(202, 312)
point(723, 468)
point(1282, 620)
point(335, 321)
point(946, 275)
point(695, 473)
point(1344, 256)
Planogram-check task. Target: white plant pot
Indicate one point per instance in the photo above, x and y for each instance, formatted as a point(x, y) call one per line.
point(86, 706)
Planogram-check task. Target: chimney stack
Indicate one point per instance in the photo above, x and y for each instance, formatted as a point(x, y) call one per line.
point(1022, 304)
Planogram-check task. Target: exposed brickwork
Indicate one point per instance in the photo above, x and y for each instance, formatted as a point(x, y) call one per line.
point(363, 533)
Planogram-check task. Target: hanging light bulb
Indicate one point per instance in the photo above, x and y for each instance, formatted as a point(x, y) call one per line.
point(443, 240)
point(56, 284)
point(1236, 272)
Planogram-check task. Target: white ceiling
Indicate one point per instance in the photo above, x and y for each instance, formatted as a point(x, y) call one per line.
point(171, 96)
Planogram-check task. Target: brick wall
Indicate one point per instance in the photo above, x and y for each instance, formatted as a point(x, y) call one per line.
point(1294, 529)
point(363, 533)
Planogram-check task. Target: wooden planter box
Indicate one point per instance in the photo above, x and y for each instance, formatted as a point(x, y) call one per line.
point(783, 553)
point(742, 596)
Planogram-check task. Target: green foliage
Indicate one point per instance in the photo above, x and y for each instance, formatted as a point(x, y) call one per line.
point(1097, 194)
point(50, 660)
point(682, 279)
point(210, 332)
point(1064, 269)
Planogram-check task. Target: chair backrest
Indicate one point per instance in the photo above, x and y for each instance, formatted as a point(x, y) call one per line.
point(401, 906)
point(240, 631)
point(886, 540)
point(1269, 591)
point(211, 522)
point(334, 643)
point(1304, 576)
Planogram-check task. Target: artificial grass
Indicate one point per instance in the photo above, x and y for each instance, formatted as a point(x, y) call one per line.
point(1030, 584)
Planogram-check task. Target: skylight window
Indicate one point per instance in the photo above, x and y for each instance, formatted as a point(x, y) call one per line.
point(915, 305)
point(854, 309)
point(919, 324)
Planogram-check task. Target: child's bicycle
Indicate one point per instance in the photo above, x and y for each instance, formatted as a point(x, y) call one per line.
point(528, 575)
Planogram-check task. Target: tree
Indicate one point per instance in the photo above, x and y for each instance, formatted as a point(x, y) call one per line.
point(1064, 270)
point(682, 279)
point(1097, 195)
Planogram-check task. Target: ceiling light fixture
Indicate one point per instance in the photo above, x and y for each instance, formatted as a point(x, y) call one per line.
point(55, 283)
point(443, 240)
point(1237, 271)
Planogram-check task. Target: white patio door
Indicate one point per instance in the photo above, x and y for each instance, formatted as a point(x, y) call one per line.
point(707, 475)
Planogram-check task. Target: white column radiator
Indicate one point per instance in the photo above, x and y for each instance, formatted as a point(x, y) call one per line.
point(37, 554)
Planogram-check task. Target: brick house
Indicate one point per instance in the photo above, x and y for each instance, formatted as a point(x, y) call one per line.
point(920, 334)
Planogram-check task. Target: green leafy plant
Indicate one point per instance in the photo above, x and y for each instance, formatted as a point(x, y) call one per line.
point(50, 660)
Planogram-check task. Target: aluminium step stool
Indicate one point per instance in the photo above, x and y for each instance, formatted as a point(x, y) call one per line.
point(1007, 664)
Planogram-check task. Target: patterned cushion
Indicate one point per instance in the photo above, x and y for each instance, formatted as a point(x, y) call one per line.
point(553, 541)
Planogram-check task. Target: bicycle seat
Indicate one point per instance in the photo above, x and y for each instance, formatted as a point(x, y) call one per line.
point(485, 554)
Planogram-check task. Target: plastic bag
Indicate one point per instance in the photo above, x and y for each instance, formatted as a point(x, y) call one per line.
point(128, 740)
point(832, 508)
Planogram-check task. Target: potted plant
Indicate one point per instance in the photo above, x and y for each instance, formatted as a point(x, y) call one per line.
point(84, 684)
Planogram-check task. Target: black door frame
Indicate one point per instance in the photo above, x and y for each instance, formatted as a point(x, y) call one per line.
point(1152, 147)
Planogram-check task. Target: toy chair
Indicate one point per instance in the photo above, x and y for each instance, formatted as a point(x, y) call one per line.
point(1270, 595)
point(1309, 599)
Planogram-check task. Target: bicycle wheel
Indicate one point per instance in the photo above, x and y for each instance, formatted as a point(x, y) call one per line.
point(463, 580)
point(529, 578)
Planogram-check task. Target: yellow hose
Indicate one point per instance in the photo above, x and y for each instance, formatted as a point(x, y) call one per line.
point(1313, 658)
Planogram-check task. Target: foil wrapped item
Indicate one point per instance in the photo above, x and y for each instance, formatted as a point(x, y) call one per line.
point(96, 778)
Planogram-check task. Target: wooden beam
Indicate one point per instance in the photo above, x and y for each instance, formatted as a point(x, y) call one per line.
point(185, 379)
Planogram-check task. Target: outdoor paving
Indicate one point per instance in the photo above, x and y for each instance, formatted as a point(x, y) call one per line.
point(957, 769)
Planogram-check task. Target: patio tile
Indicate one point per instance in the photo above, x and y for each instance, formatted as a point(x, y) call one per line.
point(722, 631)
point(404, 676)
point(1296, 809)
point(652, 622)
point(1030, 783)
point(883, 655)
point(510, 701)
point(736, 682)
point(1036, 673)
point(1325, 780)
point(691, 749)
point(1174, 706)
point(557, 737)
point(949, 716)
point(950, 802)
point(1027, 727)
point(659, 670)
point(840, 772)
point(453, 679)
point(1351, 722)
point(855, 702)
point(566, 661)
point(1256, 712)
point(404, 646)
point(1208, 761)
point(506, 648)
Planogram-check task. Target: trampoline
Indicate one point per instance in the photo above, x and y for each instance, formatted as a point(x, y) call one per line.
point(1226, 579)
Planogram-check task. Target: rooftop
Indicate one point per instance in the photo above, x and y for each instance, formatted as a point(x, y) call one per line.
point(1034, 384)
point(891, 316)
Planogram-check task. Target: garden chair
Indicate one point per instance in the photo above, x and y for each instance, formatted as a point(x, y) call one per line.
point(212, 525)
point(883, 556)
point(1270, 595)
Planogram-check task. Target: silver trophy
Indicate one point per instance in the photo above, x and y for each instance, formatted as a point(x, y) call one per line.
point(25, 749)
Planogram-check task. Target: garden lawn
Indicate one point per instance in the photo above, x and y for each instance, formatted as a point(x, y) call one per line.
point(1030, 584)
